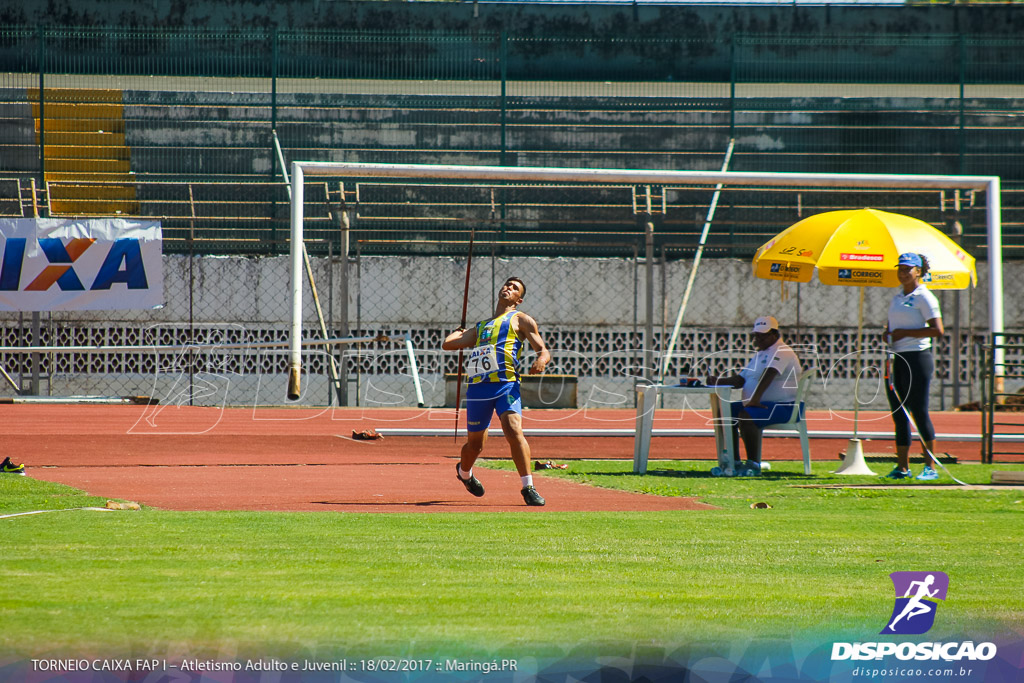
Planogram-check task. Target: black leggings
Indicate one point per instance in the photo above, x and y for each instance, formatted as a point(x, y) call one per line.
point(912, 375)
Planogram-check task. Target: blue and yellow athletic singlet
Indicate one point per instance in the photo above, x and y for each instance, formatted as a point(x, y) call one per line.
point(507, 346)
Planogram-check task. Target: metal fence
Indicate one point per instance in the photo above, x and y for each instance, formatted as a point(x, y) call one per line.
point(223, 315)
point(1002, 410)
point(222, 337)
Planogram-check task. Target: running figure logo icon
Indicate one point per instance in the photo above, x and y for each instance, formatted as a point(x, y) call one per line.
point(916, 601)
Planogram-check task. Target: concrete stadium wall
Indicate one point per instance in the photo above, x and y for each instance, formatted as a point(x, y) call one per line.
point(572, 292)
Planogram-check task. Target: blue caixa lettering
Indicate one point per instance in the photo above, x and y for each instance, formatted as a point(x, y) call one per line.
point(122, 264)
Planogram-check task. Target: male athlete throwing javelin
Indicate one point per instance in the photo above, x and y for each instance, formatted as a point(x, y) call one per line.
point(492, 383)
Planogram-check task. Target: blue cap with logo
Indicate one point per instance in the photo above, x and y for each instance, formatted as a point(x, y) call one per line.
point(910, 259)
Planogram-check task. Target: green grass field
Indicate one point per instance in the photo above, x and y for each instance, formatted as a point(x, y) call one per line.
point(230, 584)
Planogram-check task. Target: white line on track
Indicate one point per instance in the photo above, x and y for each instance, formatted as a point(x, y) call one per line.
point(39, 512)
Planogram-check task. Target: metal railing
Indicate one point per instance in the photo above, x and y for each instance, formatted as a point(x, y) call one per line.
point(251, 216)
point(1002, 409)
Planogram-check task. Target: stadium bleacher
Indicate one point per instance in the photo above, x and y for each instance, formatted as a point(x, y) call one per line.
point(204, 161)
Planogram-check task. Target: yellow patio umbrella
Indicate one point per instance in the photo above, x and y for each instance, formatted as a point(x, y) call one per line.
point(861, 248)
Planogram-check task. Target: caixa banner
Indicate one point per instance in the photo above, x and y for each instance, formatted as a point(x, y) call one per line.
point(80, 265)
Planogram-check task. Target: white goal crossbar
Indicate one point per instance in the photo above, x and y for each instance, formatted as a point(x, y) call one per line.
point(989, 184)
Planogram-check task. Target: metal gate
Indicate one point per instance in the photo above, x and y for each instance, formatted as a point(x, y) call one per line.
point(1002, 410)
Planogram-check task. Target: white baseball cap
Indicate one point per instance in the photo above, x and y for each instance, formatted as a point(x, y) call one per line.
point(766, 323)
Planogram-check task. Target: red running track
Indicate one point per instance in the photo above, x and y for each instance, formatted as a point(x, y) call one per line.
point(184, 458)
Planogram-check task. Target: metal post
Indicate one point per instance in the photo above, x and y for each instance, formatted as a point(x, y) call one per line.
point(191, 295)
point(275, 144)
point(273, 80)
point(296, 243)
point(663, 266)
point(732, 87)
point(957, 331)
point(649, 291)
point(494, 271)
point(36, 329)
point(994, 230)
point(359, 319)
point(972, 350)
point(636, 302)
point(346, 225)
point(35, 199)
point(503, 56)
point(34, 357)
point(330, 308)
point(963, 130)
point(296, 232)
point(42, 116)
point(21, 342)
point(991, 395)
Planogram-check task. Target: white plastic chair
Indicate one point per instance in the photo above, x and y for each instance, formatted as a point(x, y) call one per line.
point(797, 419)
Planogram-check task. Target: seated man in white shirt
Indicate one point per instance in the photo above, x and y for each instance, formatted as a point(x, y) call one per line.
point(769, 383)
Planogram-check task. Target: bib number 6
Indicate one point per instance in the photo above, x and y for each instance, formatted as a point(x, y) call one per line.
point(483, 360)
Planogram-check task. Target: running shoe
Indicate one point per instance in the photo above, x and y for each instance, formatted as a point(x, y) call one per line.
point(8, 467)
point(897, 473)
point(531, 497)
point(927, 474)
point(749, 469)
point(472, 484)
point(722, 472)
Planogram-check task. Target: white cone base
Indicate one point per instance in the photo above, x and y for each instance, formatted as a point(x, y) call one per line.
point(854, 463)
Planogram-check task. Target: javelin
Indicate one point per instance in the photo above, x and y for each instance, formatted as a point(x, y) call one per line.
point(462, 326)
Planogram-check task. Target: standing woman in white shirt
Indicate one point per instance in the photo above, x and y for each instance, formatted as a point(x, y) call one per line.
point(914, 320)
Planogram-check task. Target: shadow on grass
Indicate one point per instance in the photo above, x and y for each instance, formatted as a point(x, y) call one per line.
point(706, 474)
point(765, 476)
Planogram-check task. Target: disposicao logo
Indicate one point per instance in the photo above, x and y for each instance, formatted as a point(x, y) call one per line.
point(913, 613)
point(917, 594)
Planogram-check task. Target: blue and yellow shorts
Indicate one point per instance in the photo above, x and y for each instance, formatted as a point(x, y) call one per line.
point(483, 399)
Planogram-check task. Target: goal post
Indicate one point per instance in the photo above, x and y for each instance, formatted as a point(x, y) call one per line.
point(635, 177)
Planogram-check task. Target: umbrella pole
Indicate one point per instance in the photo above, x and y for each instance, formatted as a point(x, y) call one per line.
point(856, 381)
point(854, 463)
